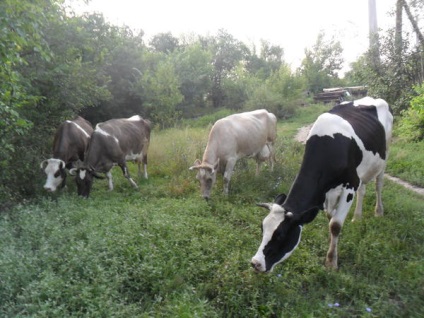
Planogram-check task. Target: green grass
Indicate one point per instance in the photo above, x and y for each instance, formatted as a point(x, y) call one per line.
point(406, 161)
point(162, 251)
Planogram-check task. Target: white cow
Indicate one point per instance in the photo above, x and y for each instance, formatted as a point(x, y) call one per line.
point(250, 134)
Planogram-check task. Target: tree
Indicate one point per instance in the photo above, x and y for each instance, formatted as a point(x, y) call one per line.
point(21, 33)
point(193, 68)
point(321, 63)
point(269, 60)
point(164, 43)
point(227, 53)
point(158, 87)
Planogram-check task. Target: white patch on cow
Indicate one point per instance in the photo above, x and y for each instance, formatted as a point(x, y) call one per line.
point(51, 168)
point(329, 124)
point(79, 127)
point(135, 118)
point(269, 225)
point(273, 219)
point(82, 174)
point(134, 156)
point(332, 198)
point(105, 133)
point(259, 258)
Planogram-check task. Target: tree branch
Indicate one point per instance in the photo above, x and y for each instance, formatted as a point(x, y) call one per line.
point(413, 22)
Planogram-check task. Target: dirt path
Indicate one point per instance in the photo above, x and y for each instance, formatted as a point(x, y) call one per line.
point(302, 134)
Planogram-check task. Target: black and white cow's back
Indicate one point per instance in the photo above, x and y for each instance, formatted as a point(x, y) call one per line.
point(346, 148)
point(114, 142)
point(69, 145)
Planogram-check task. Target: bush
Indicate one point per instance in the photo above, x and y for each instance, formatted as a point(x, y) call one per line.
point(412, 124)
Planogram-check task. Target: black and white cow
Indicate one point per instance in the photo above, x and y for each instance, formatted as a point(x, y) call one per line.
point(69, 145)
point(346, 148)
point(114, 142)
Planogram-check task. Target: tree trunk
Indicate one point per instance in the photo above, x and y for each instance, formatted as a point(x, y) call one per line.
point(413, 22)
point(398, 30)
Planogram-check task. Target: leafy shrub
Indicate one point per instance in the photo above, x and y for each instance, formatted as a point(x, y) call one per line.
point(412, 125)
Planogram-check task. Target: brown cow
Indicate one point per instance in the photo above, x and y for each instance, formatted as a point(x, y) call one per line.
point(114, 142)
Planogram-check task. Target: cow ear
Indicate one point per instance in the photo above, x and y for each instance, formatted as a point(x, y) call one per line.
point(279, 199)
point(308, 216)
point(43, 165)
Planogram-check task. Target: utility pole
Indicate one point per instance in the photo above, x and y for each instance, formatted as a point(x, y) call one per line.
point(373, 32)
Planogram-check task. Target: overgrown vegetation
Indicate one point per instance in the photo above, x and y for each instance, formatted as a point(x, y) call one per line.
point(162, 251)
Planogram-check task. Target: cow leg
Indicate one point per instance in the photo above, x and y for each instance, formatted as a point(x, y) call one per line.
point(145, 171)
point(258, 167)
point(229, 168)
point(139, 169)
point(109, 179)
point(336, 224)
point(127, 175)
point(271, 156)
point(379, 211)
point(357, 215)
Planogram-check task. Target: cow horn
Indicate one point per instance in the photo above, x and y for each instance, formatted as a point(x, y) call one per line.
point(207, 167)
point(196, 165)
point(43, 164)
point(265, 205)
point(73, 171)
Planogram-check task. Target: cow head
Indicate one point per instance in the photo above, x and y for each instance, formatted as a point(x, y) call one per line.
point(84, 179)
point(56, 174)
point(281, 233)
point(206, 174)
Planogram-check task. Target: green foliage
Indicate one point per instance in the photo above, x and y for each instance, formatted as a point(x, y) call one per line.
point(321, 64)
point(195, 73)
point(21, 32)
point(162, 251)
point(412, 123)
point(392, 77)
point(281, 93)
point(161, 94)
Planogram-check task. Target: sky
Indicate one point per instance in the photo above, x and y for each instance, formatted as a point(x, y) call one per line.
point(293, 25)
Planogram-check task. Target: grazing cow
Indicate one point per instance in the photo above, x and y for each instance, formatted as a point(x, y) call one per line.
point(69, 145)
point(250, 134)
point(113, 143)
point(346, 148)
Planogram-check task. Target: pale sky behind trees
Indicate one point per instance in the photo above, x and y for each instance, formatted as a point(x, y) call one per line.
point(293, 25)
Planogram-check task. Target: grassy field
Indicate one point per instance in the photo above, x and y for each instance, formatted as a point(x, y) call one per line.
point(162, 251)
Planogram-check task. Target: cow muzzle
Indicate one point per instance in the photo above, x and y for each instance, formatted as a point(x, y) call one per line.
point(49, 189)
point(257, 265)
